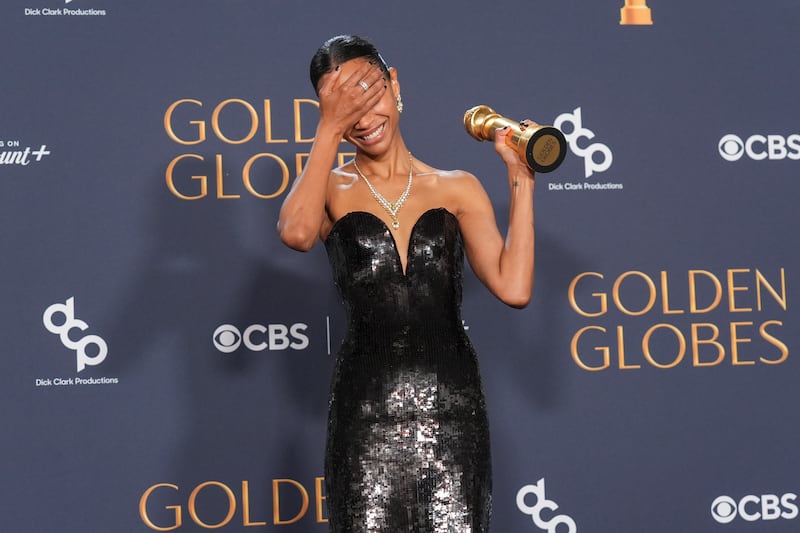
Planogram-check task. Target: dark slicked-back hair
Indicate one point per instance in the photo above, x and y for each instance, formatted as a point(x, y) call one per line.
point(339, 49)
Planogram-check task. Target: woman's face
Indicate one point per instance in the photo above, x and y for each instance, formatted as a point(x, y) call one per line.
point(374, 131)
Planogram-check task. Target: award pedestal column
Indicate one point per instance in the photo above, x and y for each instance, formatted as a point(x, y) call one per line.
point(635, 13)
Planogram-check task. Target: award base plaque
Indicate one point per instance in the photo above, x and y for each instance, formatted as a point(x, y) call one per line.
point(542, 147)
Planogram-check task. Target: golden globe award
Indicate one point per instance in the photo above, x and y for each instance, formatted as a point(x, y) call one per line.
point(542, 147)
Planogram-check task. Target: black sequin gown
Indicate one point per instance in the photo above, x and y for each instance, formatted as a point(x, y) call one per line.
point(408, 438)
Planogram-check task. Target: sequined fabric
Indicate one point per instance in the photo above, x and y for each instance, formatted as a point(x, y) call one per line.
point(408, 438)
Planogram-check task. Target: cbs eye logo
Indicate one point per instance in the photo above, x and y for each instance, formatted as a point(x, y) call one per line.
point(759, 147)
point(274, 337)
point(731, 148)
point(725, 509)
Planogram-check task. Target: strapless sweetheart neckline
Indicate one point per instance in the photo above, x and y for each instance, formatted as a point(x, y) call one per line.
point(409, 248)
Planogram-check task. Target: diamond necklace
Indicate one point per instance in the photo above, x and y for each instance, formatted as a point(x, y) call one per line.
point(391, 207)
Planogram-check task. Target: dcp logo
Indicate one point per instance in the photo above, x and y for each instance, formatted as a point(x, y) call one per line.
point(543, 503)
point(67, 309)
point(257, 337)
point(751, 508)
point(759, 147)
point(587, 154)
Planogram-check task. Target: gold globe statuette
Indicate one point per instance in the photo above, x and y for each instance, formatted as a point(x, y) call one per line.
point(542, 147)
point(635, 13)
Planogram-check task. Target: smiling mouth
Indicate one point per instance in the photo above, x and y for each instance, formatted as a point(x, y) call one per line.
point(374, 135)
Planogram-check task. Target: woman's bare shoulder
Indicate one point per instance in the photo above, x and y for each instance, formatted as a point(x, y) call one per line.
point(454, 189)
point(453, 178)
point(341, 179)
point(459, 183)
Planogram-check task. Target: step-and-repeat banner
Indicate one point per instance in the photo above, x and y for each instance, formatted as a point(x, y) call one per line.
point(166, 360)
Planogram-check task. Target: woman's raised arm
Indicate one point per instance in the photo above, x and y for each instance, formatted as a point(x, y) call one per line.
point(505, 266)
point(342, 103)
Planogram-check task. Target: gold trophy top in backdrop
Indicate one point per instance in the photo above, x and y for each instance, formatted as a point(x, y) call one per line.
point(542, 147)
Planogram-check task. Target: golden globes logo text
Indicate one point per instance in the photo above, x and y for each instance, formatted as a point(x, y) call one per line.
point(697, 318)
point(214, 504)
point(228, 174)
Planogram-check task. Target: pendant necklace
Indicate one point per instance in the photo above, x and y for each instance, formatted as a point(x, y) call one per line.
point(391, 207)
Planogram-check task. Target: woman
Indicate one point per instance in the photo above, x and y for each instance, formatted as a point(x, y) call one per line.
point(408, 439)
